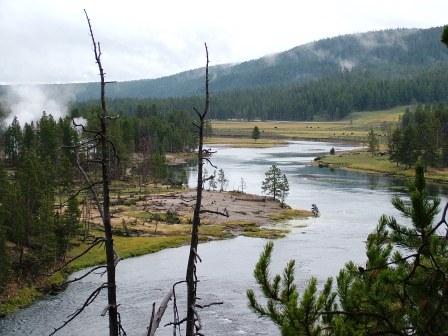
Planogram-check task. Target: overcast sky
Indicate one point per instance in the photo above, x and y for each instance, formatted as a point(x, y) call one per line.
point(46, 41)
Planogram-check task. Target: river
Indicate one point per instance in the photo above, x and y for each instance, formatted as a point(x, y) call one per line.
point(350, 204)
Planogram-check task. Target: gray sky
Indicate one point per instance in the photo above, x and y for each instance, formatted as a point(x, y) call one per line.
point(46, 41)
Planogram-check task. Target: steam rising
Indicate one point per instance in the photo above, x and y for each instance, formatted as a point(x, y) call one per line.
point(27, 102)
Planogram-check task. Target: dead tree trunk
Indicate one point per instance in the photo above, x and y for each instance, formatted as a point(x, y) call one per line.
point(105, 172)
point(191, 277)
point(192, 319)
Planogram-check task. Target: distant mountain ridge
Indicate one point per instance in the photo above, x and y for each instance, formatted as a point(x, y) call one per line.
point(387, 54)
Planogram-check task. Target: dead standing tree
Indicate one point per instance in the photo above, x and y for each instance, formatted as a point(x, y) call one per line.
point(104, 146)
point(101, 146)
point(192, 319)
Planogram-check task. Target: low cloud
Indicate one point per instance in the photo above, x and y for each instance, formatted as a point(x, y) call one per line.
point(346, 64)
point(388, 38)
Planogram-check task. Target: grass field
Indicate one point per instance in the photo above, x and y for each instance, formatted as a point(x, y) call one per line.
point(364, 161)
point(353, 128)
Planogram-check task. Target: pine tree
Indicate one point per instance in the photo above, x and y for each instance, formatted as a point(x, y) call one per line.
point(284, 189)
point(67, 227)
point(13, 139)
point(293, 314)
point(394, 142)
point(445, 35)
point(158, 166)
point(401, 290)
point(31, 214)
point(222, 180)
point(4, 258)
point(256, 133)
point(408, 153)
point(373, 142)
point(272, 184)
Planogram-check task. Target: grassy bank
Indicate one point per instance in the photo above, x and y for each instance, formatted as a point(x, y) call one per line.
point(150, 232)
point(353, 128)
point(126, 247)
point(364, 161)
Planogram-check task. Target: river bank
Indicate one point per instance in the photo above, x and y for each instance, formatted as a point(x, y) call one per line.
point(352, 129)
point(350, 205)
point(149, 223)
point(361, 160)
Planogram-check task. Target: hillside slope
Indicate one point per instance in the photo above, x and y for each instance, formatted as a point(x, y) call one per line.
point(388, 54)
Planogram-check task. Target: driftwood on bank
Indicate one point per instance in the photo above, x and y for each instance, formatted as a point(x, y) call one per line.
point(156, 317)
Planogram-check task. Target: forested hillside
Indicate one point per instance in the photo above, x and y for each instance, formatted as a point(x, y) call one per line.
point(385, 54)
point(330, 98)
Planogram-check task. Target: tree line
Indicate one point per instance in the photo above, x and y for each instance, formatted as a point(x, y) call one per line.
point(39, 216)
point(37, 219)
point(421, 135)
point(329, 98)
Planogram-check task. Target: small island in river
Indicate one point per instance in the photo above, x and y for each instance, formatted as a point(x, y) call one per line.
point(170, 213)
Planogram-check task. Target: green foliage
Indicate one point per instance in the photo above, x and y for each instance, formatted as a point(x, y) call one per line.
point(373, 142)
point(332, 97)
point(142, 129)
point(256, 133)
point(292, 313)
point(284, 189)
point(35, 229)
point(445, 35)
point(401, 290)
point(158, 167)
point(172, 217)
point(4, 258)
point(13, 140)
point(413, 52)
point(306, 87)
point(423, 135)
point(39, 218)
point(275, 184)
point(68, 226)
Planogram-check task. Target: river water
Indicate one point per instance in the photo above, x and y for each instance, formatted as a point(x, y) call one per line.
point(350, 204)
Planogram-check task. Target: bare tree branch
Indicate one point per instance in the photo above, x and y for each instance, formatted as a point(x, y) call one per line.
point(78, 311)
point(224, 213)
